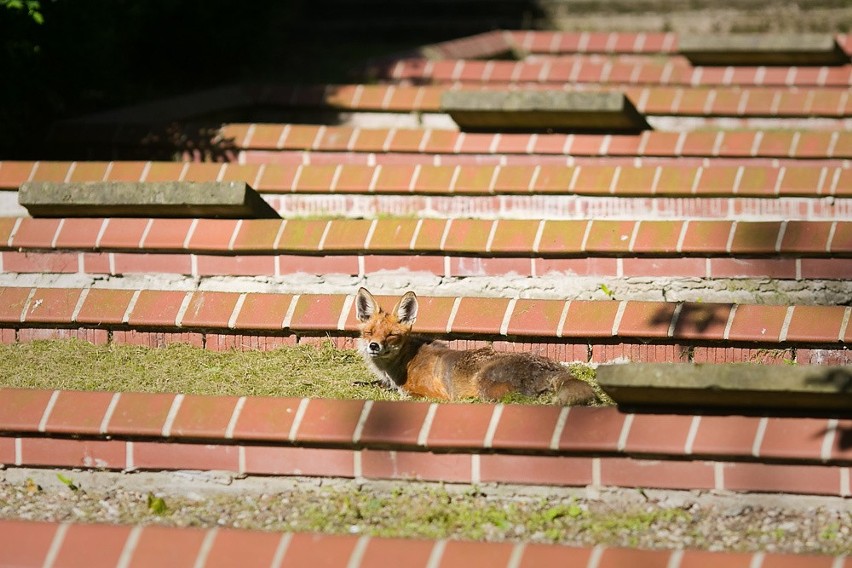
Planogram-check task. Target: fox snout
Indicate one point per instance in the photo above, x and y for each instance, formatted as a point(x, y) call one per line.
point(374, 348)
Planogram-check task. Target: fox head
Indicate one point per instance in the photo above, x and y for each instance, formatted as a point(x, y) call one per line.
point(384, 333)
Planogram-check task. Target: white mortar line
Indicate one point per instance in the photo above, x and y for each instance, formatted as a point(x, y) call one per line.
point(475, 469)
point(235, 416)
point(491, 234)
point(145, 233)
point(675, 317)
point(344, 313)
point(828, 440)
point(27, 302)
point(297, 419)
point(453, 313)
point(79, 305)
point(625, 432)
point(113, 403)
point(423, 435)
point(291, 309)
point(129, 548)
point(844, 324)
point(412, 184)
point(445, 234)
point(785, 327)
point(56, 233)
point(488, 441)
point(562, 317)
point(730, 322)
point(782, 229)
point(281, 550)
point(538, 235)
point(758, 436)
point(507, 316)
point(184, 305)
point(324, 235)
point(55, 545)
point(234, 234)
point(42, 424)
point(559, 427)
point(206, 547)
point(690, 436)
point(358, 552)
point(415, 234)
point(235, 313)
point(130, 305)
point(622, 305)
point(359, 427)
point(436, 554)
point(170, 417)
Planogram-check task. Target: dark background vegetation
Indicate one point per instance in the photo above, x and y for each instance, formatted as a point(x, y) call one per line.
point(80, 56)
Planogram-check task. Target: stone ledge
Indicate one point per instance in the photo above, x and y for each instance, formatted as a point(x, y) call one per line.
point(542, 111)
point(233, 199)
point(738, 385)
point(763, 49)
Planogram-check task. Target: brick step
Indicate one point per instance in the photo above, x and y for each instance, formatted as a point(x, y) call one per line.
point(27, 544)
point(586, 329)
point(456, 443)
point(611, 70)
point(738, 144)
point(698, 239)
point(746, 179)
point(819, 140)
point(565, 42)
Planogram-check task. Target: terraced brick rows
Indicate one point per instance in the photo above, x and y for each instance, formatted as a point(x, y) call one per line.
point(489, 443)
point(629, 70)
point(28, 544)
point(790, 179)
point(764, 324)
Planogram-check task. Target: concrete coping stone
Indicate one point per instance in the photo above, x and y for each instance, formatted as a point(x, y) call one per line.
point(733, 385)
point(763, 49)
point(228, 199)
point(547, 111)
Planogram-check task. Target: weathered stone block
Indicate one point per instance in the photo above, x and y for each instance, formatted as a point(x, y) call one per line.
point(737, 385)
point(233, 199)
point(542, 111)
point(762, 49)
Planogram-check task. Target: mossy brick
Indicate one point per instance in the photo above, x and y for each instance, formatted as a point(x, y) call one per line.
point(536, 318)
point(429, 235)
point(590, 318)
point(554, 179)
point(594, 179)
point(610, 236)
point(560, 237)
point(474, 180)
point(646, 319)
point(13, 173)
point(315, 312)
point(468, 235)
point(395, 178)
point(35, 233)
point(51, 171)
point(263, 311)
point(806, 237)
point(52, 305)
point(79, 233)
point(347, 235)
point(657, 237)
point(156, 308)
point(257, 234)
point(302, 234)
point(699, 320)
point(757, 323)
point(755, 237)
point(434, 179)
point(105, 306)
point(392, 234)
point(515, 236)
point(635, 181)
point(480, 315)
point(209, 309)
point(706, 236)
point(803, 180)
point(142, 199)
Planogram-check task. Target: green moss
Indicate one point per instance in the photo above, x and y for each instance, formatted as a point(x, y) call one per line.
point(300, 371)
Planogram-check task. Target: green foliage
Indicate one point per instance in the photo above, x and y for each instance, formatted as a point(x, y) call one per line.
point(157, 505)
point(67, 481)
point(32, 7)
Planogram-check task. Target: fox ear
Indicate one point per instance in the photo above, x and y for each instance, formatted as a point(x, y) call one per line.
point(406, 309)
point(365, 305)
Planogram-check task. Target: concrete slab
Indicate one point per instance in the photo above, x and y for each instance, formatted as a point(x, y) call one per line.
point(232, 199)
point(736, 385)
point(542, 111)
point(762, 49)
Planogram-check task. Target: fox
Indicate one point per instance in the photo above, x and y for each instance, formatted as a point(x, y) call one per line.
point(422, 367)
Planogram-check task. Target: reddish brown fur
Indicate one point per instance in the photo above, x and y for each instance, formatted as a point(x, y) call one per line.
point(421, 367)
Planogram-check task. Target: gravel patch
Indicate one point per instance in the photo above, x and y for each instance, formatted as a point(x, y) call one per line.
point(584, 517)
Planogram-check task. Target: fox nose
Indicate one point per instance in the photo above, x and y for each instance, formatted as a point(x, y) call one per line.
point(374, 347)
